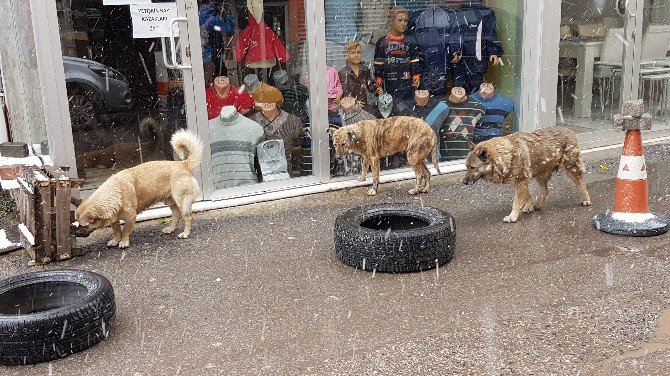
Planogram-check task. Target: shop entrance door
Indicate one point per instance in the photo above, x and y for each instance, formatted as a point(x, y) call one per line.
point(129, 80)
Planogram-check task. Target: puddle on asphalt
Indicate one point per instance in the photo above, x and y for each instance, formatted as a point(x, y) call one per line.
point(625, 250)
point(659, 340)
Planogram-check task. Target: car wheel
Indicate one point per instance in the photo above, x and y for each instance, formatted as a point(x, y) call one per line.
point(48, 315)
point(84, 111)
point(395, 238)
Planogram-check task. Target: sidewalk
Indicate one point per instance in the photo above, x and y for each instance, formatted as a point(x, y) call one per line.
point(258, 290)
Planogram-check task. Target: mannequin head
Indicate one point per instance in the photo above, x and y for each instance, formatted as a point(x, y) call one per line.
point(228, 113)
point(397, 19)
point(269, 109)
point(348, 103)
point(458, 95)
point(421, 97)
point(252, 83)
point(353, 52)
point(221, 82)
point(280, 77)
point(486, 90)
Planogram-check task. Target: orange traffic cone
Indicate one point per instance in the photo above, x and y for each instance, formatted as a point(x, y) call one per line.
point(631, 214)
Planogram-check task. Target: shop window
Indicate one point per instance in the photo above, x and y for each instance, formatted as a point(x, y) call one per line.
point(252, 52)
point(592, 58)
point(406, 57)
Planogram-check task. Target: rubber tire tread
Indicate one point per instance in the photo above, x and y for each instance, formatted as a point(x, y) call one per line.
point(37, 338)
point(395, 252)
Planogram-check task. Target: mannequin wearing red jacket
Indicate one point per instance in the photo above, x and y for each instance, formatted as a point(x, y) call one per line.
point(258, 46)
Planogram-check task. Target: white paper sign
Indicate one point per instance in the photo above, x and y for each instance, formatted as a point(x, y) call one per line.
point(153, 20)
point(125, 2)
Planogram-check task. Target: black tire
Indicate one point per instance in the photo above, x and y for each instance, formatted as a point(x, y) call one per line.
point(395, 238)
point(69, 311)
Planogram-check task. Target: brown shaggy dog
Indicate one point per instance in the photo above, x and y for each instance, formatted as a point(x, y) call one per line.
point(128, 192)
point(520, 157)
point(375, 139)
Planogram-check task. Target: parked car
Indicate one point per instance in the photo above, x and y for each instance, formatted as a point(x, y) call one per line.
point(94, 89)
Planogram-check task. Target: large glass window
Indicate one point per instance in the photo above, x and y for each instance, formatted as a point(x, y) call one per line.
point(426, 59)
point(590, 78)
point(256, 91)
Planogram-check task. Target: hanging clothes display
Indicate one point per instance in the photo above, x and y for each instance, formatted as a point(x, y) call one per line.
point(258, 46)
point(438, 35)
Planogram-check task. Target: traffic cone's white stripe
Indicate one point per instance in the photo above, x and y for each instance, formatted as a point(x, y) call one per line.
point(632, 167)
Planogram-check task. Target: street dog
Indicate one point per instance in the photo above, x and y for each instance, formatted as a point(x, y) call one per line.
point(375, 139)
point(520, 157)
point(128, 192)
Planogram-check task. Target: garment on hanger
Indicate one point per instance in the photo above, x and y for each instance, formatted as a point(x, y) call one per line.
point(272, 160)
point(295, 100)
point(438, 35)
point(480, 38)
point(233, 146)
point(497, 108)
point(355, 114)
point(258, 46)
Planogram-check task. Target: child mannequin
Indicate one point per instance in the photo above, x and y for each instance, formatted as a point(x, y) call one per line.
point(356, 77)
point(397, 58)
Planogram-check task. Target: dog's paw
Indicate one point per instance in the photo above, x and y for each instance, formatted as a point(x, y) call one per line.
point(413, 191)
point(585, 203)
point(361, 178)
point(112, 243)
point(124, 243)
point(372, 192)
point(537, 207)
point(528, 208)
point(168, 230)
point(183, 235)
point(510, 219)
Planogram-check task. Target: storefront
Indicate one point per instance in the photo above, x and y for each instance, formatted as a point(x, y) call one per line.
point(117, 77)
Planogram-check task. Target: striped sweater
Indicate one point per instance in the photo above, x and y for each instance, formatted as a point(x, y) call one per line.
point(233, 145)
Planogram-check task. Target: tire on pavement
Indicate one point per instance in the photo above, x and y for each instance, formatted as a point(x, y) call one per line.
point(48, 315)
point(395, 238)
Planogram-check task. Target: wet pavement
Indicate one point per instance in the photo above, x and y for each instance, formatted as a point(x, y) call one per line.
point(259, 290)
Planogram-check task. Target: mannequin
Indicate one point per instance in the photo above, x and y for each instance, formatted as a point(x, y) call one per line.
point(356, 77)
point(262, 92)
point(334, 90)
point(497, 108)
point(398, 60)
point(222, 94)
point(233, 145)
point(295, 95)
point(480, 45)
point(438, 34)
point(278, 124)
point(351, 111)
point(464, 115)
point(429, 108)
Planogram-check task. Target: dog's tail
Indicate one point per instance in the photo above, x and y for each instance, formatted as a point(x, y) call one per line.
point(189, 148)
point(433, 157)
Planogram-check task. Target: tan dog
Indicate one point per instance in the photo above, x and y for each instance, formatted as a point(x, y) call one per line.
point(520, 157)
point(128, 192)
point(375, 139)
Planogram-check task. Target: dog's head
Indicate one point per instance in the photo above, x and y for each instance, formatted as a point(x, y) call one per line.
point(91, 217)
point(345, 138)
point(478, 163)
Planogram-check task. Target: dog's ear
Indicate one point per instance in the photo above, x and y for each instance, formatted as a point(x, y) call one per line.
point(482, 153)
point(331, 129)
point(471, 145)
point(75, 201)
